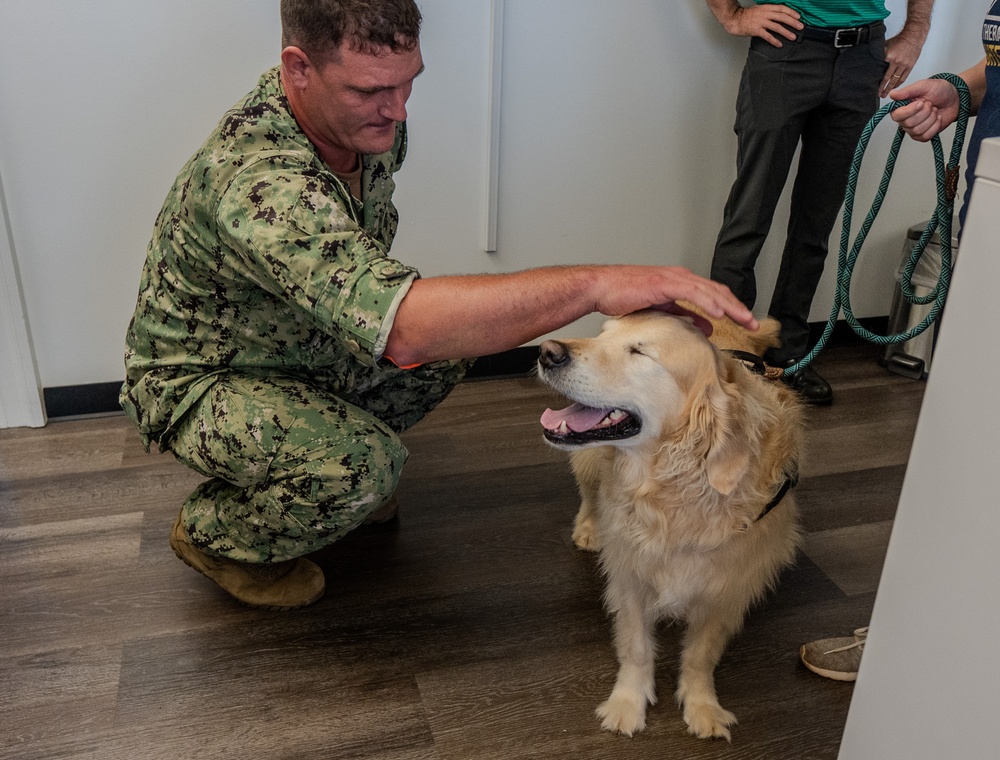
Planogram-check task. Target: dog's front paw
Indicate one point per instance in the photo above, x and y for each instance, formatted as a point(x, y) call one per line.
point(709, 721)
point(585, 535)
point(623, 714)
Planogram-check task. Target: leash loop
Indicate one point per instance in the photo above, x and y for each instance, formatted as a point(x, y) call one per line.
point(947, 189)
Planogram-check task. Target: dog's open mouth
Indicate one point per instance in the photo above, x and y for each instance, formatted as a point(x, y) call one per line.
point(579, 424)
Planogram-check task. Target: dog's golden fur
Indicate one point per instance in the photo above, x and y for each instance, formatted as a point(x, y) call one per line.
point(674, 509)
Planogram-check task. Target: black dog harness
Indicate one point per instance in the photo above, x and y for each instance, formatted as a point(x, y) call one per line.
point(789, 483)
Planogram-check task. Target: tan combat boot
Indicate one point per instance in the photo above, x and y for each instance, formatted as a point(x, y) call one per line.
point(384, 514)
point(274, 586)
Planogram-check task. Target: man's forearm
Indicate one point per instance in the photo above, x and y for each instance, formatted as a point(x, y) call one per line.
point(723, 10)
point(465, 316)
point(975, 78)
point(918, 15)
point(474, 315)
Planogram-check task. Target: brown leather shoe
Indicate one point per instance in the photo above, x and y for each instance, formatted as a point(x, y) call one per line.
point(284, 585)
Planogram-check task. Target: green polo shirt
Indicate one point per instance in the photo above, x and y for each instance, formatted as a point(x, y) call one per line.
point(262, 261)
point(835, 13)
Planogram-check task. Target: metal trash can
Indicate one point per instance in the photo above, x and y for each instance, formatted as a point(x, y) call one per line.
point(912, 358)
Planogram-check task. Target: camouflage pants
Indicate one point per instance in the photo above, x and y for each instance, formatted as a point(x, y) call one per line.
point(293, 466)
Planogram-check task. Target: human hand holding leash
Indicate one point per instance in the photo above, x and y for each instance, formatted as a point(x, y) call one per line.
point(934, 103)
point(933, 106)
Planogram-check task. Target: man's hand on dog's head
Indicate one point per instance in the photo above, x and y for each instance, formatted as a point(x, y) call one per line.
point(624, 289)
point(696, 319)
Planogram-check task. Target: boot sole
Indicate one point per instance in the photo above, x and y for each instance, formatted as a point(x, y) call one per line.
point(273, 608)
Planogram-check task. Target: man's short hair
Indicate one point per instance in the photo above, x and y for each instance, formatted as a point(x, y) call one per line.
point(319, 27)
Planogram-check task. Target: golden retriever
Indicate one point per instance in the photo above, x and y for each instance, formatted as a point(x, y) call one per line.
point(684, 459)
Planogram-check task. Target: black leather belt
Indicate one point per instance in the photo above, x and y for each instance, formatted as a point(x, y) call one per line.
point(846, 37)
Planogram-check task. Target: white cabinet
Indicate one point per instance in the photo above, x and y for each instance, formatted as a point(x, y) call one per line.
point(929, 685)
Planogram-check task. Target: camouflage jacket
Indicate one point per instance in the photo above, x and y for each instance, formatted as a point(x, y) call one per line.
point(262, 261)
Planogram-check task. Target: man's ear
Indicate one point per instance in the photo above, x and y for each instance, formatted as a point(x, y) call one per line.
point(296, 66)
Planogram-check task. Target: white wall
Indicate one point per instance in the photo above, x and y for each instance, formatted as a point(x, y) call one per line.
point(101, 103)
point(616, 144)
point(21, 403)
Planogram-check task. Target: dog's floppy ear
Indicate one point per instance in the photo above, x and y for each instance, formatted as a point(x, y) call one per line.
point(714, 418)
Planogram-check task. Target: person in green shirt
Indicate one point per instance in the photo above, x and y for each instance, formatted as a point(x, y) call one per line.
point(813, 76)
point(279, 349)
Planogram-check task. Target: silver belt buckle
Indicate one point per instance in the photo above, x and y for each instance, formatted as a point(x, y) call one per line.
point(843, 38)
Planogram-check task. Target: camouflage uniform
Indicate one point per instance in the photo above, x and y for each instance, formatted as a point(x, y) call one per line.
point(255, 351)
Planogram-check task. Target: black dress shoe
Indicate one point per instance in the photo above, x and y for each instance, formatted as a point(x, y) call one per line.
point(807, 383)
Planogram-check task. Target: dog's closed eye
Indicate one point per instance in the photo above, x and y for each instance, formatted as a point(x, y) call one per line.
point(646, 351)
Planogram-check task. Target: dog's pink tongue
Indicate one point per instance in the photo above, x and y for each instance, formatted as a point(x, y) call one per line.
point(576, 416)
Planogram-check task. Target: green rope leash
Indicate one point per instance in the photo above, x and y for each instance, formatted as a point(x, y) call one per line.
point(947, 185)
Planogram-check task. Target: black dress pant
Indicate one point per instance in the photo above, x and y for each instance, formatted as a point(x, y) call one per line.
point(811, 92)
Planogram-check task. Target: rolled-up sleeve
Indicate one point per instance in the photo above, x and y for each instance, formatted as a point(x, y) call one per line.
point(297, 237)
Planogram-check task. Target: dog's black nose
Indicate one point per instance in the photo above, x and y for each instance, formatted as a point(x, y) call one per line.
point(552, 354)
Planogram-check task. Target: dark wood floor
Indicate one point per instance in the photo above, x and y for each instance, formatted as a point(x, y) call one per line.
point(473, 631)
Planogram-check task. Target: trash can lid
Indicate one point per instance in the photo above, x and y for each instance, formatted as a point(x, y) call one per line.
point(917, 230)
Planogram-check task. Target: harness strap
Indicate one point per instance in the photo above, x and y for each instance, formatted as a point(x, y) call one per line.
point(789, 483)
